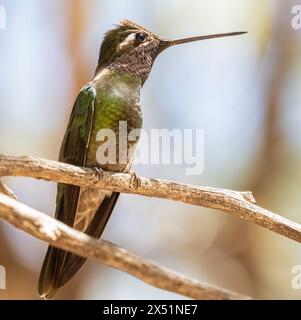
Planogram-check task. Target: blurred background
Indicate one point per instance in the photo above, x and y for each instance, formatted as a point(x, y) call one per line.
point(243, 91)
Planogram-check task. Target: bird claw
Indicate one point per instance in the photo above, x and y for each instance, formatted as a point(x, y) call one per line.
point(99, 173)
point(135, 181)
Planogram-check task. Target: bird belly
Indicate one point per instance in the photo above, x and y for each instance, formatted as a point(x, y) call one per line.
point(89, 201)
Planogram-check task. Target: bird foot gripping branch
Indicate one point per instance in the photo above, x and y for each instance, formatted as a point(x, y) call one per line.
point(98, 173)
point(135, 181)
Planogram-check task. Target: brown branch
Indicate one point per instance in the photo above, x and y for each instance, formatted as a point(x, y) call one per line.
point(60, 235)
point(240, 204)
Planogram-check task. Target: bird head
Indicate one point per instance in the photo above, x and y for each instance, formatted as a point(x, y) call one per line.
point(132, 49)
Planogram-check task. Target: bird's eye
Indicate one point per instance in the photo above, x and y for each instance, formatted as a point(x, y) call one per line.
point(140, 36)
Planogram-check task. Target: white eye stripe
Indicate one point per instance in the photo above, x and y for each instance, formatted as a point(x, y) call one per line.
point(128, 40)
point(130, 37)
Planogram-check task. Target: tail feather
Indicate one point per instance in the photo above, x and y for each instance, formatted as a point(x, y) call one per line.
point(46, 287)
point(60, 266)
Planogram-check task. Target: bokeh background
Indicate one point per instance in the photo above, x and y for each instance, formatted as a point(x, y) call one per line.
point(243, 91)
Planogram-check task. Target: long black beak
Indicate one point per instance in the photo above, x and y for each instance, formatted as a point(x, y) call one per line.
point(168, 43)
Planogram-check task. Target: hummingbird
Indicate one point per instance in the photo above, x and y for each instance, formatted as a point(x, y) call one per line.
point(126, 57)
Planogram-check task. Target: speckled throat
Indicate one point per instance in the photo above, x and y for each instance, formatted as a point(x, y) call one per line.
point(137, 62)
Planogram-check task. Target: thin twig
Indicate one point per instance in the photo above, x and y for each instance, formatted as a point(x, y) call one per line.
point(239, 204)
point(60, 235)
point(6, 190)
